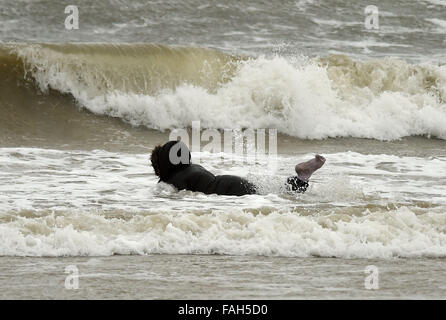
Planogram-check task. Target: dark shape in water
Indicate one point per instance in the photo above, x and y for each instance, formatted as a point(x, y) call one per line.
point(187, 176)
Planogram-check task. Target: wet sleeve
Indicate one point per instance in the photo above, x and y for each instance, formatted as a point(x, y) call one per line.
point(232, 186)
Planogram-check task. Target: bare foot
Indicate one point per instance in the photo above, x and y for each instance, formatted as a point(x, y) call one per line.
point(305, 169)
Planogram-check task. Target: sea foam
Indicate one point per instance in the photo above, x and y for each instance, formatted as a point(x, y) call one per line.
point(380, 234)
point(335, 96)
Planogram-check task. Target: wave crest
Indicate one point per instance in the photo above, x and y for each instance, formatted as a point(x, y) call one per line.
point(164, 88)
point(403, 232)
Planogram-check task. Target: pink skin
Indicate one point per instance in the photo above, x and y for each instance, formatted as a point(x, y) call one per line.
point(305, 169)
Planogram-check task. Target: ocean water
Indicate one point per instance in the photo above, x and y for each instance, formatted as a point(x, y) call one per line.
point(81, 110)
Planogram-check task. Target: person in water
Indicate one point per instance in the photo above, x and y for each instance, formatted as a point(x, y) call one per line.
point(172, 164)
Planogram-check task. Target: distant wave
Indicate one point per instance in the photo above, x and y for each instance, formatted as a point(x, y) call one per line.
point(439, 22)
point(164, 87)
point(437, 2)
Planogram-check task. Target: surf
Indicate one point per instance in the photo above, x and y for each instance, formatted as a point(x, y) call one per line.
point(404, 232)
point(163, 87)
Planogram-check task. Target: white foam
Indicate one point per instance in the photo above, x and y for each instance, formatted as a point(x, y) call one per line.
point(336, 23)
point(299, 101)
point(437, 2)
point(57, 203)
point(382, 234)
point(298, 98)
point(440, 23)
point(302, 5)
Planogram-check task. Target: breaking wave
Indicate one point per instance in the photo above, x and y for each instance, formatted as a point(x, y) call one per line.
point(164, 87)
point(375, 233)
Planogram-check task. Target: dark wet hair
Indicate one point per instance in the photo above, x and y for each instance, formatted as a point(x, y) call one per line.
point(161, 162)
point(155, 159)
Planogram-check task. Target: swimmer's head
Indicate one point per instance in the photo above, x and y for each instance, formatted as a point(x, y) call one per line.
point(169, 158)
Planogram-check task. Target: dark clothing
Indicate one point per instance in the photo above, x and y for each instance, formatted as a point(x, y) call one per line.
point(197, 178)
point(296, 184)
point(175, 168)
